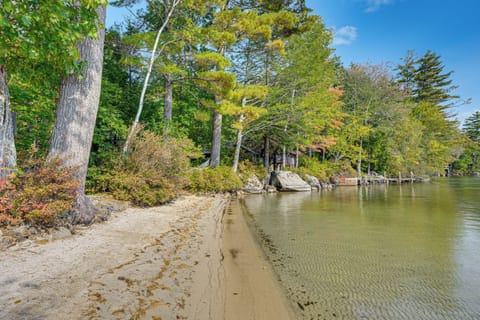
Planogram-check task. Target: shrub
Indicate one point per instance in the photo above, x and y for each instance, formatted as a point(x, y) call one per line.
point(152, 173)
point(247, 168)
point(313, 167)
point(39, 196)
point(219, 179)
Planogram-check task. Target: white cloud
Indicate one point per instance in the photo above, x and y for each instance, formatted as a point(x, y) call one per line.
point(345, 36)
point(374, 5)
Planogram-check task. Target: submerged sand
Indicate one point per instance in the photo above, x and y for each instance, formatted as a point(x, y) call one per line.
point(185, 260)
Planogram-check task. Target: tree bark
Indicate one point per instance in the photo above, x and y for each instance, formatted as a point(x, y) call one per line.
point(168, 98)
point(216, 140)
point(359, 162)
point(296, 157)
point(8, 155)
point(238, 146)
point(266, 153)
point(76, 116)
point(236, 157)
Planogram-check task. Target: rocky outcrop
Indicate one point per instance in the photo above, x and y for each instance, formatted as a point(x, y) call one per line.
point(313, 182)
point(288, 181)
point(253, 185)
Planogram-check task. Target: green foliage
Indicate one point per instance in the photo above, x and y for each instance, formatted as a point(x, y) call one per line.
point(208, 180)
point(150, 174)
point(36, 32)
point(313, 167)
point(247, 168)
point(34, 104)
point(39, 196)
point(471, 127)
point(425, 79)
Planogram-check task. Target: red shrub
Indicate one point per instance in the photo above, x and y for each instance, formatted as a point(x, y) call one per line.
point(39, 196)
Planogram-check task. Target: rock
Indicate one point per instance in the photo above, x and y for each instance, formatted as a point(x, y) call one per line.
point(326, 185)
point(104, 206)
point(345, 181)
point(61, 233)
point(288, 181)
point(6, 242)
point(253, 185)
point(313, 182)
point(270, 189)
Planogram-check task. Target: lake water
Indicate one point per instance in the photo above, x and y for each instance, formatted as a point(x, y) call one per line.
point(377, 252)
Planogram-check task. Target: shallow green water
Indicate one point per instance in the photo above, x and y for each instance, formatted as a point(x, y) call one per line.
point(396, 252)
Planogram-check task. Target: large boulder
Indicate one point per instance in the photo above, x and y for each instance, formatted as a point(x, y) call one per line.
point(253, 185)
point(288, 181)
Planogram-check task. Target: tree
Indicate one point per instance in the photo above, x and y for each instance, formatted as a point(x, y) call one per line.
point(302, 99)
point(34, 40)
point(440, 138)
point(424, 78)
point(229, 27)
point(8, 157)
point(169, 9)
point(406, 72)
point(471, 127)
point(76, 115)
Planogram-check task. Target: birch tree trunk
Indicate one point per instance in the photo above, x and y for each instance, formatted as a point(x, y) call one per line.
point(168, 98)
point(76, 115)
point(8, 156)
point(171, 9)
point(238, 146)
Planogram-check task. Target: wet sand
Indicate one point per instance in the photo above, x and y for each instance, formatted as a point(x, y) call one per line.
point(251, 288)
point(186, 260)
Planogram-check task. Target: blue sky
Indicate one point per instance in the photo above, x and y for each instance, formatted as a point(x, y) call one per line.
point(381, 31)
point(376, 31)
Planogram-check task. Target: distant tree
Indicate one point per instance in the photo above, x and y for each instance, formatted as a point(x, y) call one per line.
point(471, 127)
point(407, 71)
point(425, 79)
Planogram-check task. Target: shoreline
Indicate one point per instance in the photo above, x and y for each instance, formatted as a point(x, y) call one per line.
point(195, 258)
point(252, 290)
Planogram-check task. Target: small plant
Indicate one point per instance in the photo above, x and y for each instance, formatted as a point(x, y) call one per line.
point(38, 196)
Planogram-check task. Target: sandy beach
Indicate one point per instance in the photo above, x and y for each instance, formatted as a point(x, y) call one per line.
point(192, 259)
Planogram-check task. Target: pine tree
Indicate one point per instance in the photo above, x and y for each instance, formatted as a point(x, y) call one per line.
point(424, 78)
point(472, 127)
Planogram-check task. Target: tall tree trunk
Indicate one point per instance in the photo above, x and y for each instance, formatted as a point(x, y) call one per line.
point(217, 127)
point(266, 153)
point(238, 146)
point(216, 139)
point(284, 157)
point(168, 98)
point(359, 162)
point(8, 155)
point(236, 157)
point(76, 115)
point(296, 157)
